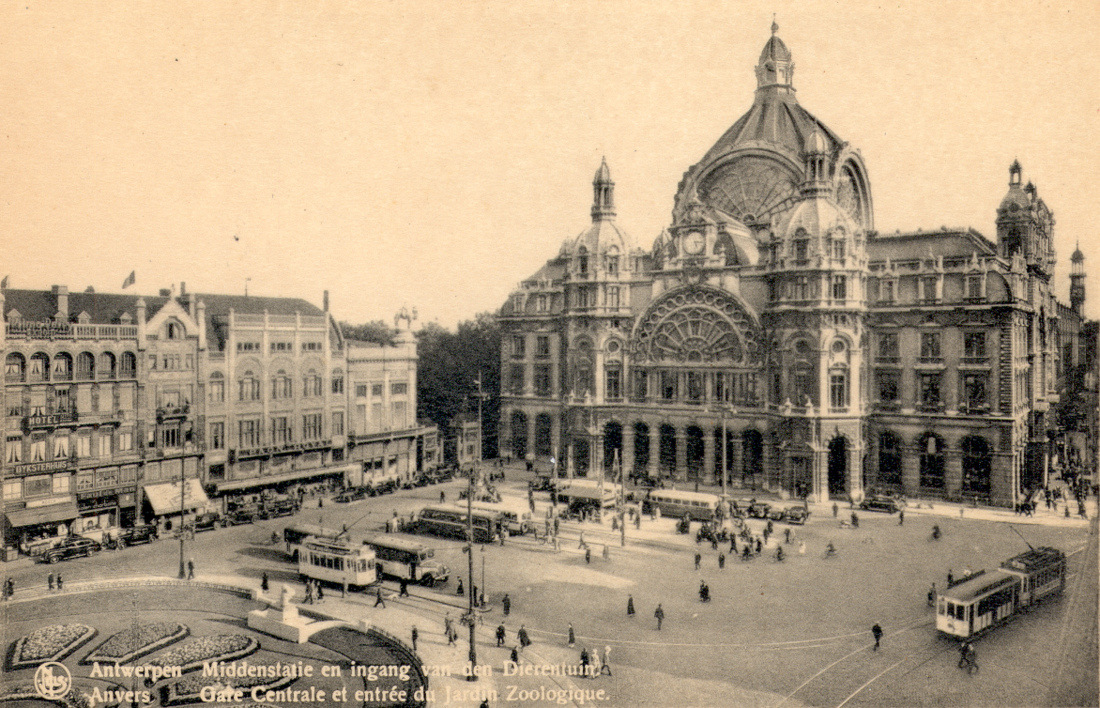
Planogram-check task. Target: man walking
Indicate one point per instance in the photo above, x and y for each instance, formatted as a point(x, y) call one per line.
point(49, 582)
point(605, 667)
point(660, 615)
point(506, 603)
point(698, 560)
point(378, 600)
point(876, 631)
point(523, 637)
point(190, 568)
point(630, 606)
point(501, 634)
point(415, 636)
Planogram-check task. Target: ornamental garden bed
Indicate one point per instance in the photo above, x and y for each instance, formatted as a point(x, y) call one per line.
point(189, 688)
point(129, 644)
point(191, 655)
point(52, 643)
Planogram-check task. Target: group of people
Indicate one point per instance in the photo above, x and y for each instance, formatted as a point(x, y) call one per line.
point(314, 591)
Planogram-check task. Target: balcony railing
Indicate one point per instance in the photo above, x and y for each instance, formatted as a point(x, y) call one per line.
point(67, 330)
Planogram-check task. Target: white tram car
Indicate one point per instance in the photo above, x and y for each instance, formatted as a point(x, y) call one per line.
point(988, 598)
point(337, 561)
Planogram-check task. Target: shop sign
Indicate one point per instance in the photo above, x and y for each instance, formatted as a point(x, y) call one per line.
point(36, 467)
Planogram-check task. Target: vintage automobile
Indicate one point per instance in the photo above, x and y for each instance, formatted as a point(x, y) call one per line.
point(242, 515)
point(137, 534)
point(350, 495)
point(795, 515)
point(759, 510)
point(205, 521)
point(71, 547)
point(880, 502)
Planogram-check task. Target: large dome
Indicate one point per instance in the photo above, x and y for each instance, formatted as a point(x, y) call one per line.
point(757, 169)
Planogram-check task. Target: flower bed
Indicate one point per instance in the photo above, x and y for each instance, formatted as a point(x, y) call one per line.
point(51, 643)
point(221, 647)
point(189, 688)
point(129, 644)
point(30, 694)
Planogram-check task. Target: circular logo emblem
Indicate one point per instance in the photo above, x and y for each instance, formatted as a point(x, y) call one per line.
point(52, 680)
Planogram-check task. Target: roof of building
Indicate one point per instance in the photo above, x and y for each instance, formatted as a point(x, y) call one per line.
point(102, 308)
point(776, 118)
point(910, 245)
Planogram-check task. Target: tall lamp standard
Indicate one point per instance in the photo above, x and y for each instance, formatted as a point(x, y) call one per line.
point(183, 529)
point(472, 675)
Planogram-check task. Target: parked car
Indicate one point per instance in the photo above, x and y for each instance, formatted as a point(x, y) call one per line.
point(72, 547)
point(205, 521)
point(279, 506)
point(879, 502)
point(137, 534)
point(350, 495)
point(795, 514)
point(241, 515)
point(759, 510)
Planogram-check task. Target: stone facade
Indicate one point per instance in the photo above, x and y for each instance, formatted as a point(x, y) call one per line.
point(771, 332)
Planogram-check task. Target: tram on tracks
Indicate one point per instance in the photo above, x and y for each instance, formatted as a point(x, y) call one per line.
point(337, 561)
point(986, 599)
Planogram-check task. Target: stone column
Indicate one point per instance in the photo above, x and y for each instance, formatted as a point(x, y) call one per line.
point(734, 463)
point(708, 454)
point(531, 435)
point(910, 469)
point(952, 473)
point(595, 456)
point(628, 448)
point(654, 448)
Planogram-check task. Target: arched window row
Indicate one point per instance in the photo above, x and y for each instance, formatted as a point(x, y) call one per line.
point(977, 461)
point(41, 367)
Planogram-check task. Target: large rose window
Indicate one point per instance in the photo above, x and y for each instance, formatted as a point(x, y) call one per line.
point(698, 325)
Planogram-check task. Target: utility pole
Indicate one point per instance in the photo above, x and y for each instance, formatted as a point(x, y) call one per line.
point(472, 676)
point(183, 526)
point(722, 418)
point(622, 502)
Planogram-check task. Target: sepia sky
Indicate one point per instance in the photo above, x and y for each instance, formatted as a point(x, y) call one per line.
point(434, 154)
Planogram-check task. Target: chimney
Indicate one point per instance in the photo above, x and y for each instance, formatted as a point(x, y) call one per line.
point(324, 302)
point(62, 293)
point(166, 292)
point(183, 289)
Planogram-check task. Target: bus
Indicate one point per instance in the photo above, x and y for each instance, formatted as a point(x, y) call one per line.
point(407, 560)
point(336, 561)
point(587, 494)
point(295, 535)
point(450, 521)
point(517, 517)
point(694, 505)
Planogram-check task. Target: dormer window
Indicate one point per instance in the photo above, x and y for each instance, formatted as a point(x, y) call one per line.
point(173, 330)
point(838, 249)
point(974, 289)
point(612, 261)
point(126, 318)
point(582, 261)
point(84, 318)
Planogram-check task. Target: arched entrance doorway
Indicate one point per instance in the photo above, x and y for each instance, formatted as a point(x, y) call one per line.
point(668, 450)
point(612, 445)
point(519, 436)
point(838, 466)
point(752, 455)
point(694, 450)
point(581, 457)
point(544, 435)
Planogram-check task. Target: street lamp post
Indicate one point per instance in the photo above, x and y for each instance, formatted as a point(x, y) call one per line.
point(472, 675)
point(183, 529)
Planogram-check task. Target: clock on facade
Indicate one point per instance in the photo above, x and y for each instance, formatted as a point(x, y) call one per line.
point(694, 243)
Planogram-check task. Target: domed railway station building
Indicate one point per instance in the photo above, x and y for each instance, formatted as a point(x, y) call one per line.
point(771, 319)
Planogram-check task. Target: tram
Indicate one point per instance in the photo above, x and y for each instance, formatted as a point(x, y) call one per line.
point(451, 521)
point(987, 598)
point(339, 562)
point(295, 536)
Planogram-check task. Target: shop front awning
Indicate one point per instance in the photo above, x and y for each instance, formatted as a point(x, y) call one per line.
point(266, 480)
point(43, 515)
point(165, 497)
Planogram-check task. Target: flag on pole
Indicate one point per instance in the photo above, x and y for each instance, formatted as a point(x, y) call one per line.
point(130, 280)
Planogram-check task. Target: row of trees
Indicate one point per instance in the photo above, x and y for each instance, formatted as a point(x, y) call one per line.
point(448, 368)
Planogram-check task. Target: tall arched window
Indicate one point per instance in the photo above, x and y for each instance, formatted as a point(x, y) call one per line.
point(85, 366)
point(216, 387)
point(129, 365)
point(931, 462)
point(977, 465)
point(105, 367)
point(519, 435)
point(40, 368)
point(248, 387)
point(62, 367)
point(15, 368)
point(889, 459)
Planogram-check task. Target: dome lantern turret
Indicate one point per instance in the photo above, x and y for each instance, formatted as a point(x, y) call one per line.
point(603, 194)
point(776, 67)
